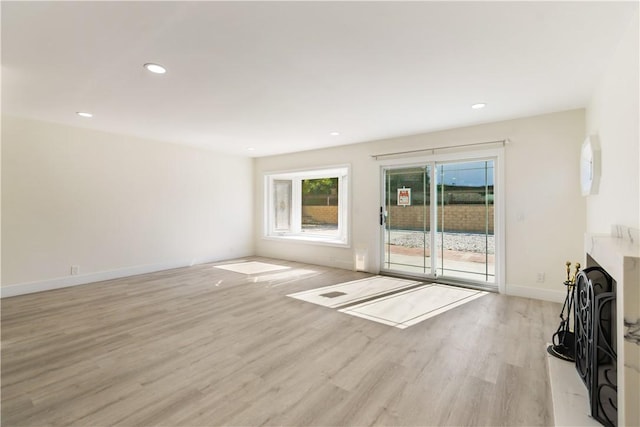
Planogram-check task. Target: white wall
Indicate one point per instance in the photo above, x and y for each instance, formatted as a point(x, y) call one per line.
point(613, 114)
point(545, 213)
point(114, 205)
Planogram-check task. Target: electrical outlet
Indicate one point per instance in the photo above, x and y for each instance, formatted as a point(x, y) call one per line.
point(75, 270)
point(540, 277)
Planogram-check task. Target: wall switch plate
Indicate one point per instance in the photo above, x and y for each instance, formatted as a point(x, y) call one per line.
point(75, 270)
point(540, 277)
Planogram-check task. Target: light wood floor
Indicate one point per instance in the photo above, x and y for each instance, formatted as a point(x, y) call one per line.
point(201, 346)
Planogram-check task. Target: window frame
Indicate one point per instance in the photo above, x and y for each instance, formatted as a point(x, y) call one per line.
point(295, 232)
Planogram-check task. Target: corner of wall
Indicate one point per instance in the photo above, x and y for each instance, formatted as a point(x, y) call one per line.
point(535, 293)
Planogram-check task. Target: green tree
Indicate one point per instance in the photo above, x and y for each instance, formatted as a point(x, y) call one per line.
point(319, 186)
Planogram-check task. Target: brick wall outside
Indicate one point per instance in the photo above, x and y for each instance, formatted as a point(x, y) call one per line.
point(320, 214)
point(463, 218)
point(460, 218)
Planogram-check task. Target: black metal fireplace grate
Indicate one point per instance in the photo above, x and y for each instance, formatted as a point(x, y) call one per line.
point(595, 341)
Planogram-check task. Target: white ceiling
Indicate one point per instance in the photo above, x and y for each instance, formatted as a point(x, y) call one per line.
point(280, 76)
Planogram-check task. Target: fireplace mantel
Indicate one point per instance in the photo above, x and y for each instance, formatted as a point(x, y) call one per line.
point(619, 254)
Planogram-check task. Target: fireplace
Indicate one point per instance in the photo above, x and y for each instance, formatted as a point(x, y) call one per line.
point(616, 257)
point(595, 341)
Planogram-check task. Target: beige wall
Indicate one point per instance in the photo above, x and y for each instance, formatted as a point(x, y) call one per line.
point(545, 213)
point(113, 203)
point(107, 202)
point(613, 115)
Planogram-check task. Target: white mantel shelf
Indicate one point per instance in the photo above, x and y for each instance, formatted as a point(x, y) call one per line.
point(619, 255)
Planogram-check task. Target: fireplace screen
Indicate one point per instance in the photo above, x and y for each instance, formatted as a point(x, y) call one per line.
point(595, 314)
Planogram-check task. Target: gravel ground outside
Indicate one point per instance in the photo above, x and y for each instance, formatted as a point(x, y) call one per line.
point(463, 242)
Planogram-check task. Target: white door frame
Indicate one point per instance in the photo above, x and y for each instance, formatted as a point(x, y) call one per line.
point(495, 154)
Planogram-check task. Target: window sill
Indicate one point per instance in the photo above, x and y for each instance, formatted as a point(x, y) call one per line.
point(313, 240)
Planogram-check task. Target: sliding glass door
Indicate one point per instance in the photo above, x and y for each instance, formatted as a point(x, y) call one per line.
point(465, 221)
point(407, 225)
point(438, 221)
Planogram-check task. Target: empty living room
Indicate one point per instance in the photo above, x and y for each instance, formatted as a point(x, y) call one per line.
point(301, 213)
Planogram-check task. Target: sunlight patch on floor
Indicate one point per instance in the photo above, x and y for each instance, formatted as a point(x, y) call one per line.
point(252, 267)
point(410, 301)
point(411, 307)
point(350, 292)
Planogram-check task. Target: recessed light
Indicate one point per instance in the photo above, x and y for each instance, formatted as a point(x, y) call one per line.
point(334, 133)
point(250, 149)
point(478, 106)
point(84, 114)
point(155, 68)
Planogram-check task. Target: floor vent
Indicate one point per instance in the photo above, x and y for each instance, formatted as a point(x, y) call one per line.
point(333, 294)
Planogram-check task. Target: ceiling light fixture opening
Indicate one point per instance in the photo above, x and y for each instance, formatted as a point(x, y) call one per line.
point(334, 133)
point(155, 68)
point(478, 105)
point(84, 114)
point(250, 149)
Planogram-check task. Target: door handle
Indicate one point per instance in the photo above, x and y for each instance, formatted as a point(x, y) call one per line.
point(381, 215)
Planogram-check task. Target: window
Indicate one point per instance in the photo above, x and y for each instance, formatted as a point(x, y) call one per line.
point(308, 205)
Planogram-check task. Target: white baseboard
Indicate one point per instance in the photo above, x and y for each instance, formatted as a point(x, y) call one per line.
point(536, 293)
point(83, 279)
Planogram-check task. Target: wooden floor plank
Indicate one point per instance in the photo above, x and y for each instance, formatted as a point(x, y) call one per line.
point(207, 346)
